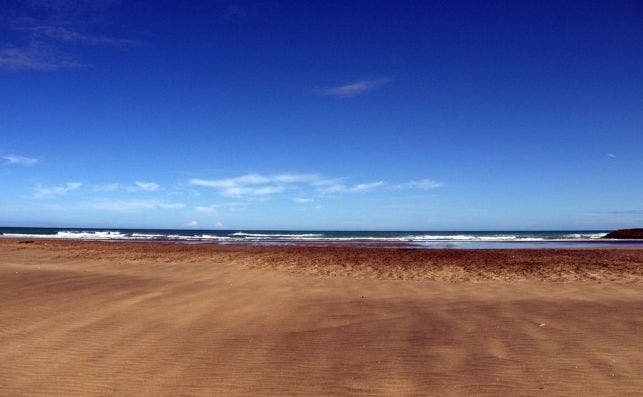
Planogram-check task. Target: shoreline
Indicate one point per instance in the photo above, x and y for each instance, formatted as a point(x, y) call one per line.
point(594, 243)
point(598, 264)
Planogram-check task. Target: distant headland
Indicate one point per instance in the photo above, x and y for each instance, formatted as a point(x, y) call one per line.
point(626, 234)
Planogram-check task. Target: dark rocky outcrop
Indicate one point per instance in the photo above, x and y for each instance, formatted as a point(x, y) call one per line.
point(626, 234)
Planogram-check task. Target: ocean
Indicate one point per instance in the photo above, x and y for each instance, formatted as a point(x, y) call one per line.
point(413, 239)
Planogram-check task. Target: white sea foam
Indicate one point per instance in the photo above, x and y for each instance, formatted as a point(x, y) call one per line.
point(277, 235)
point(147, 236)
point(87, 235)
point(466, 237)
point(114, 235)
point(584, 235)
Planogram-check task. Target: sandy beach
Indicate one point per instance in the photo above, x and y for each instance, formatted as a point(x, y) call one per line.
point(115, 318)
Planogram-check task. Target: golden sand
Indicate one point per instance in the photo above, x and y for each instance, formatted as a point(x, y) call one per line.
point(105, 318)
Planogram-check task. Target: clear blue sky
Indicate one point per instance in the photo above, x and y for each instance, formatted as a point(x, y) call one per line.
point(322, 115)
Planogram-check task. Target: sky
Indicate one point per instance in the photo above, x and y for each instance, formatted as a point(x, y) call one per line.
point(360, 115)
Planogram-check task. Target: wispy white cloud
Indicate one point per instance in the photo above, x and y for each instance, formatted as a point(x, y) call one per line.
point(40, 191)
point(147, 186)
point(47, 34)
point(362, 187)
point(354, 88)
point(108, 187)
point(191, 224)
point(14, 159)
point(244, 180)
point(423, 184)
point(251, 191)
point(170, 206)
point(208, 209)
point(214, 208)
point(35, 58)
point(611, 155)
point(303, 200)
point(245, 185)
point(329, 185)
point(64, 34)
point(129, 205)
point(297, 178)
point(257, 184)
point(265, 185)
point(138, 186)
point(340, 187)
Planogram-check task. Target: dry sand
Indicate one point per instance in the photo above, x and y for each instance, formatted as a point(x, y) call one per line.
point(92, 318)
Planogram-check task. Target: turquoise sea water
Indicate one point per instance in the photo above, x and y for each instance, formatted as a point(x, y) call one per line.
point(416, 239)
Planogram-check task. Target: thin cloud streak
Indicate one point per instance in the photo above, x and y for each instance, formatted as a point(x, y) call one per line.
point(252, 184)
point(147, 186)
point(244, 180)
point(40, 191)
point(129, 205)
point(251, 191)
point(208, 209)
point(109, 187)
point(342, 188)
point(137, 187)
point(62, 34)
point(422, 184)
point(265, 185)
point(214, 208)
point(35, 58)
point(362, 187)
point(354, 88)
point(14, 159)
point(256, 184)
point(48, 32)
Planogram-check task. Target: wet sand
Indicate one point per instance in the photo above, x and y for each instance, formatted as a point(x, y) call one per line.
point(105, 318)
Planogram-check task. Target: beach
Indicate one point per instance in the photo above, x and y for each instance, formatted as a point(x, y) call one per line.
point(149, 318)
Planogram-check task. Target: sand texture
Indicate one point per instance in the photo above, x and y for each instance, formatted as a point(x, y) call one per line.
point(106, 318)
